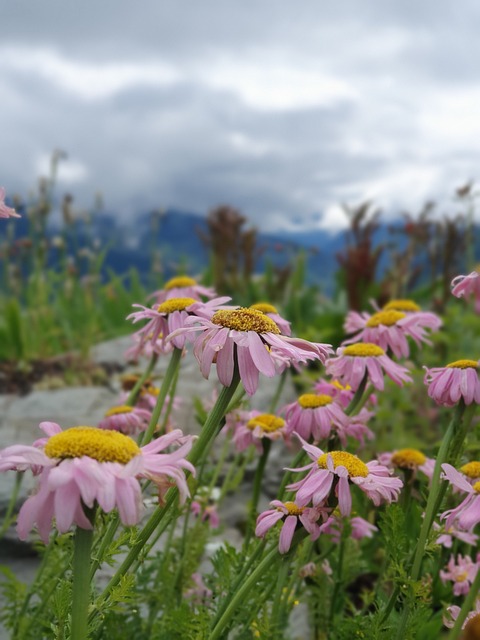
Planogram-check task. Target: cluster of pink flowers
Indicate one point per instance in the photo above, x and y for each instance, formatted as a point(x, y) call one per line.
point(86, 466)
point(390, 327)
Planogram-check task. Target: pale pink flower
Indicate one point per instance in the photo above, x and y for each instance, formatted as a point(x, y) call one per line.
point(171, 315)
point(314, 416)
point(6, 212)
point(356, 427)
point(459, 379)
point(464, 286)
point(208, 512)
point(357, 360)
point(183, 287)
point(251, 427)
point(472, 621)
point(390, 329)
point(291, 514)
point(446, 538)
point(250, 339)
point(337, 470)
point(462, 573)
point(360, 528)
point(126, 419)
point(200, 593)
point(341, 394)
point(272, 312)
point(467, 514)
point(308, 570)
point(408, 459)
point(88, 466)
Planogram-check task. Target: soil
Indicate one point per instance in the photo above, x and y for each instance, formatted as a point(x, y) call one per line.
point(53, 373)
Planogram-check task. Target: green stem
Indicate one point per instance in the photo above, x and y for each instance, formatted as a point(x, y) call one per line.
point(133, 395)
point(169, 408)
point(278, 392)
point(11, 505)
point(282, 577)
point(81, 583)
point(167, 381)
point(203, 444)
point(221, 622)
point(257, 485)
point(434, 489)
point(97, 556)
point(467, 606)
point(355, 401)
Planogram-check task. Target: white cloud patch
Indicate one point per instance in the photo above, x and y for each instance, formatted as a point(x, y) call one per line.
point(86, 80)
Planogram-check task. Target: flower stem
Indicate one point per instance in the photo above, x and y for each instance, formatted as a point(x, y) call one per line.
point(201, 446)
point(278, 391)
point(167, 382)
point(257, 485)
point(355, 401)
point(81, 583)
point(133, 395)
point(11, 505)
point(467, 606)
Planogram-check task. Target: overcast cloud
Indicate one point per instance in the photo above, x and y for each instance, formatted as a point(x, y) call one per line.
point(281, 109)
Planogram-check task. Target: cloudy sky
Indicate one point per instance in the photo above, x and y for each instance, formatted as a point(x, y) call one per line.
point(281, 109)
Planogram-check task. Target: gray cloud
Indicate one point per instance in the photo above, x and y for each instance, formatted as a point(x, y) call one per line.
point(281, 110)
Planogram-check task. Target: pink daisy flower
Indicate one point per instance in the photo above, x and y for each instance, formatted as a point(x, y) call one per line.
point(471, 470)
point(360, 528)
point(87, 466)
point(467, 514)
point(252, 340)
point(6, 212)
point(356, 427)
point(408, 459)
point(472, 621)
point(464, 286)
point(291, 514)
point(462, 573)
point(126, 419)
point(199, 593)
point(314, 415)
point(183, 287)
point(208, 512)
point(171, 315)
point(459, 379)
point(251, 427)
point(340, 393)
point(390, 328)
point(357, 360)
point(337, 470)
point(446, 538)
point(272, 312)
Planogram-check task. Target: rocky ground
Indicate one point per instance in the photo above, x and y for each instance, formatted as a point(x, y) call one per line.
point(86, 405)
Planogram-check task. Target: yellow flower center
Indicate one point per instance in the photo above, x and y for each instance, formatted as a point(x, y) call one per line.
point(115, 411)
point(385, 318)
point(293, 509)
point(313, 400)
point(267, 422)
point(471, 469)
point(408, 458)
point(471, 631)
point(103, 445)
point(461, 577)
point(355, 467)
point(463, 364)
point(264, 307)
point(151, 390)
point(363, 350)
point(476, 487)
point(175, 304)
point(339, 386)
point(244, 319)
point(180, 282)
point(401, 305)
